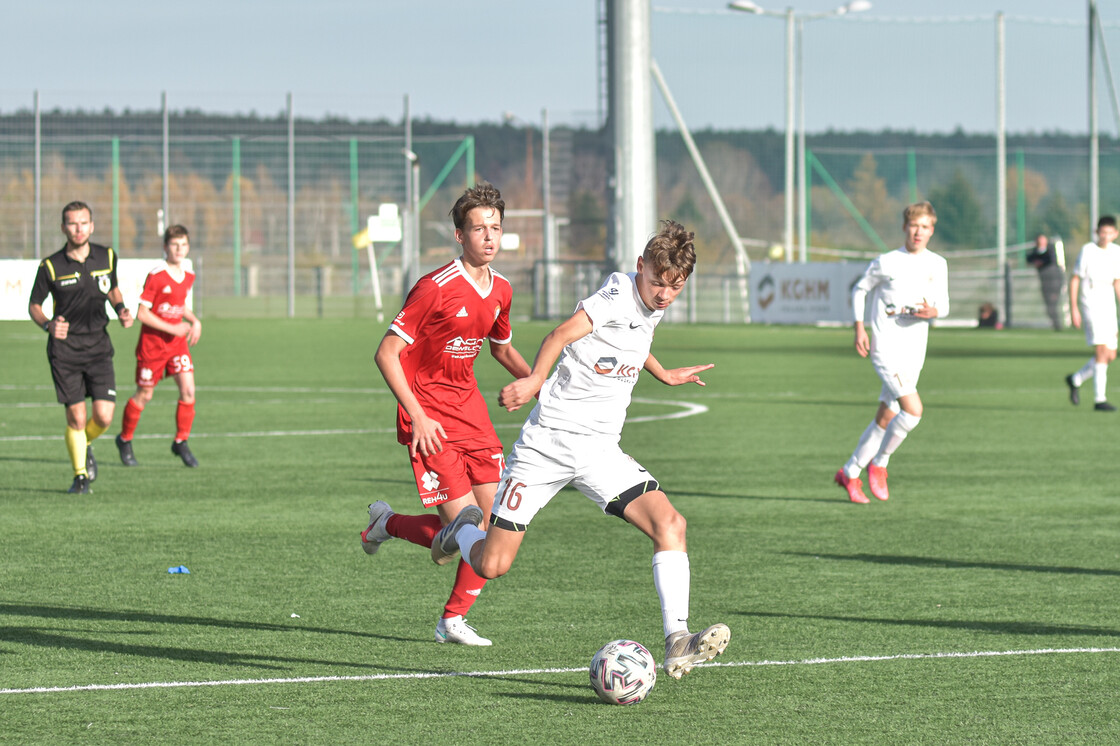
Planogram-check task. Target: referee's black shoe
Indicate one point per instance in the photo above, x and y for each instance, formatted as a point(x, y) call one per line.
point(91, 464)
point(128, 458)
point(80, 486)
point(180, 449)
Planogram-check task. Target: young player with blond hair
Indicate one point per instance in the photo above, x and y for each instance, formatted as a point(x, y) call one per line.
point(901, 292)
point(572, 437)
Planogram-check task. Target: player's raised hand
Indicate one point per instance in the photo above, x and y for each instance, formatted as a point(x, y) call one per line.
point(61, 327)
point(426, 434)
point(680, 376)
point(515, 395)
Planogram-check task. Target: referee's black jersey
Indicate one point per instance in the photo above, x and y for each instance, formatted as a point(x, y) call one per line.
point(78, 288)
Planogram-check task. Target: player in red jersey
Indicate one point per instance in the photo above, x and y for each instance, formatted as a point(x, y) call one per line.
point(169, 329)
point(427, 359)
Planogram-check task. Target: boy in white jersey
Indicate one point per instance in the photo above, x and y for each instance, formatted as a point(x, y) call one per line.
point(572, 435)
point(899, 294)
point(1094, 288)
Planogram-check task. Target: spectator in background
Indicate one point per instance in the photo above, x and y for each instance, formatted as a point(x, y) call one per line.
point(1043, 258)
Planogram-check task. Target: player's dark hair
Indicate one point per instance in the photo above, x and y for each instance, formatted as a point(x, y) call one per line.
point(1109, 220)
point(671, 251)
point(482, 195)
point(917, 210)
point(175, 231)
point(76, 206)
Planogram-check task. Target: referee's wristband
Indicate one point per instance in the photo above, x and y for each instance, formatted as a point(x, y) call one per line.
point(118, 308)
point(47, 326)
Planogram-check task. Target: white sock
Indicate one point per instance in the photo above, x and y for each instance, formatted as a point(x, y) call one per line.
point(468, 536)
point(1085, 373)
point(897, 431)
point(672, 578)
point(1100, 380)
point(867, 447)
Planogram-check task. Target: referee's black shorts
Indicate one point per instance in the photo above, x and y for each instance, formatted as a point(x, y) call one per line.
point(82, 366)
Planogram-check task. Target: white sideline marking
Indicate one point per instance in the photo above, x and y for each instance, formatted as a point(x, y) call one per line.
point(688, 409)
point(532, 671)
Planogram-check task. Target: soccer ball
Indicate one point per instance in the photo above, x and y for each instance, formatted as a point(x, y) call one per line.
point(623, 672)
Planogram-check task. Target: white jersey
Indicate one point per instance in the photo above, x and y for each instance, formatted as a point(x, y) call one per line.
point(1098, 269)
point(594, 379)
point(894, 284)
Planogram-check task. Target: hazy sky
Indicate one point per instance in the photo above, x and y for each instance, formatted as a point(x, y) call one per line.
point(928, 66)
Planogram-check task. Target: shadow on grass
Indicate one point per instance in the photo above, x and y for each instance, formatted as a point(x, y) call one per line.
point(741, 496)
point(937, 562)
point(1003, 628)
point(77, 612)
point(57, 641)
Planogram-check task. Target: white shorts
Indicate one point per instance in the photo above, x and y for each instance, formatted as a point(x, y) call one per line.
point(897, 381)
point(1100, 329)
point(544, 461)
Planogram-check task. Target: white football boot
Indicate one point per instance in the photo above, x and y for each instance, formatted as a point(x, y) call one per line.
point(455, 629)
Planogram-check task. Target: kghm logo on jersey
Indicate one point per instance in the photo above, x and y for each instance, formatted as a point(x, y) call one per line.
point(462, 348)
point(608, 366)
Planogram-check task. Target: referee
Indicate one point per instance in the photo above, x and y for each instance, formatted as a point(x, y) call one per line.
point(80, 277)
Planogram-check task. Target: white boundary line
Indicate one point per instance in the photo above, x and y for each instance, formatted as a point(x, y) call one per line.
point(688, 409)
point(537, 671)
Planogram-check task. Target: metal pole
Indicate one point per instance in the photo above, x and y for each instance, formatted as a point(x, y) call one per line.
point(236, 179)
point(291, 209)
point(548, 249)
point(38, 180)
point(802, 187)
point(1094, 143)
point(410, 205)
point(1001, 164)
point(116, 159)
point(789, 189)
point(165, 203)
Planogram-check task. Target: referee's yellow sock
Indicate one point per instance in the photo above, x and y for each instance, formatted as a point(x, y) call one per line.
point(76, 445)
point(93, 430)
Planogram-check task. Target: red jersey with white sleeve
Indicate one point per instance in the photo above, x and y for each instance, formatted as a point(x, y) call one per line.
point(446, 319)
point(165, 293)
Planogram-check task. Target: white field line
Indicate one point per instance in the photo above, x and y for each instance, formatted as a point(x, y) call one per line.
point(542, 671)
point(687, 409)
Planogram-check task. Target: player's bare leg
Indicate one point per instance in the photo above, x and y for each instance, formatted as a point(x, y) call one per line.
point(655, 516)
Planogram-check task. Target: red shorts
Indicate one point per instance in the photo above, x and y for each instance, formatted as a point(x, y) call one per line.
point(451, 473)
point(150, 371)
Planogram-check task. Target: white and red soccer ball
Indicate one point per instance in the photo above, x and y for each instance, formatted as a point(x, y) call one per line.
point(623, 672)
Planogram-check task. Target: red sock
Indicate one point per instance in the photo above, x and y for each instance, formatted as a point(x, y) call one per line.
point(130, 419)
point(465, 592)
point(184, 418)
point(419, 529)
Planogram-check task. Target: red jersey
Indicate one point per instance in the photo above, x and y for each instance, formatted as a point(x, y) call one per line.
point(446, 319)
point(167, 298)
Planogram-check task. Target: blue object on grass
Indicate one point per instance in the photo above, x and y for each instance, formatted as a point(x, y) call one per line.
point(180, 569)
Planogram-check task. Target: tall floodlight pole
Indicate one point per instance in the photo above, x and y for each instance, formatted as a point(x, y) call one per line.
point(795, 92)
point(1094, 143)
point(634, 197)
point(291, 208)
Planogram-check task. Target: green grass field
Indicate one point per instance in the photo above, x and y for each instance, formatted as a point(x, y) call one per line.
point(978, 605)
